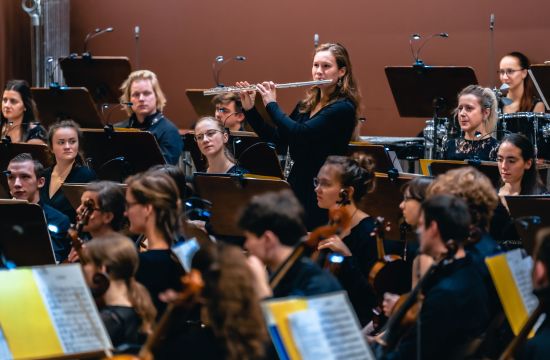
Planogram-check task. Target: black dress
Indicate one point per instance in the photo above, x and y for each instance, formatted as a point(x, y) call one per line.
point(462, 149)
point(311, 140)
point(78, 174)
point(123, 325)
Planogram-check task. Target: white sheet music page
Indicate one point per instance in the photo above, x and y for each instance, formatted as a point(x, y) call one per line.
point(5, 352)
point(72, 308)
point(308, 335)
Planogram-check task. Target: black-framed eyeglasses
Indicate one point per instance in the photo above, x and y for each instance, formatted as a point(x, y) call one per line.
point(209, 134)
point(507, 72)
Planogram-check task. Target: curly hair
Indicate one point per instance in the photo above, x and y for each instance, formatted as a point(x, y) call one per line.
point(471, 185)
point(160, 191)
point(357, 173)
point(345, 89)
point(231, 301)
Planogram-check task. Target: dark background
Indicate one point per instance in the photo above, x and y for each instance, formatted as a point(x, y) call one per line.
point(180, 39)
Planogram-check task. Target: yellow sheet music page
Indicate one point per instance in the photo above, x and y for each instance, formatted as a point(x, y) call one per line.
point(25, 321)
point(280, 311)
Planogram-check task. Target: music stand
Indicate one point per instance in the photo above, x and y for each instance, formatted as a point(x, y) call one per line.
point(115, 154)
point(101, 75)
point(8, 150)
point(540, 75)
point(523, 209)
point(229, 194)
point(384, 201)
point(261, 159)
point(24, 236)
point(73, 192)
point(379, 153)
point(76, 103)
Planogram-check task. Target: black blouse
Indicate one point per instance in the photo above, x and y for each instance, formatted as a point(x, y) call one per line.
point(462, 149)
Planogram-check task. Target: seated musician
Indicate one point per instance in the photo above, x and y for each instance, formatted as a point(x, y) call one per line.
point(513, 71)
point(231, 325)
point(152, 206)
point(126, 307)
point(538, 347)
point(142, 90)
point(518, 176)
point(25, 178)
point(19, 116)
point(477, 117)
point(454, 310)
point(273, 226)
point(344, 181)
point(212, 138)
point(64, 141)
point(229, 111)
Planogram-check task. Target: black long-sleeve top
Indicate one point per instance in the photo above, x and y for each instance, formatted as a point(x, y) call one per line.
point(310, 140)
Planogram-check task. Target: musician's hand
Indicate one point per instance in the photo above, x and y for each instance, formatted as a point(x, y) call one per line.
point(247, 97)
point(389, 303)
point(261, 278)
point(335, 244)
point(73, 255)
point(268, 91)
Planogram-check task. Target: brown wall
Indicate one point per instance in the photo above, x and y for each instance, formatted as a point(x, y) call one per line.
point(180, 38)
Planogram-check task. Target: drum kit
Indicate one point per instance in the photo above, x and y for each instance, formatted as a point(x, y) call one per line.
point(535, 126)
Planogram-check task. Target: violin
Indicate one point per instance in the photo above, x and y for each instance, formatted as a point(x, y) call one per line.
point(75, 231)
point(339, 219)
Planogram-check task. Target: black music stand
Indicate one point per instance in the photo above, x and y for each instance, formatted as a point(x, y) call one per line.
point(531, 213)
point(115, 154)
point(101, 75)
point(488, 168)
point(540, 75)
point(384, 201)
point(229, 194)
point(261, 159)
point(24, 237)
point(8, 150)
point(379, 153)
point(76, 103)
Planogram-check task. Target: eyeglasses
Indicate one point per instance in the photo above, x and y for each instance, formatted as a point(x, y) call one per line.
point(507, 72)
point(208, 134)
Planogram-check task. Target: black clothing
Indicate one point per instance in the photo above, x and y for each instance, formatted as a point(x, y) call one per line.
point(503, 229)
point(462, 149)
point(58, 225)
point(237, 170)
point(166, 133)
point(311, 140)
point(305, 278)
point(78, 174)
point(123, 325)
point(354, 270)
point(454, 312)
point(36, 131)
point(159, 271)
point(538, 348)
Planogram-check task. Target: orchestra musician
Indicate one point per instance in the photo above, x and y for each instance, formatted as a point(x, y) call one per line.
point(142, 91)
point(19, 117)
point(513, 72)
point(229, 111)
point(346, 181)
point(64, 141)
point(152, 206)
point(477, 117)
point(322, 124)
point(125, 307)
point(25, 179)
point(212, 138)
point(454, 310)
point(518, 176)
point(273, 226)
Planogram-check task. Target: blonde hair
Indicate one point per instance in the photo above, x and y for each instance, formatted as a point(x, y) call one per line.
point(487, 100)
point(126, 86)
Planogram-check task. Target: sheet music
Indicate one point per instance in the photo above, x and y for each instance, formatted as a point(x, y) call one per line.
point(71, 308)
point(5, 352)
point(308, 335)
point(340, 326)
point(521, 269)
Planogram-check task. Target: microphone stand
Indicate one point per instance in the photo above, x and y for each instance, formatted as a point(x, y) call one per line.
point(216, 69)
point(90, 36)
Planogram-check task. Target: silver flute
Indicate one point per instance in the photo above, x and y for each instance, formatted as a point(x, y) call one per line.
point(226, 89)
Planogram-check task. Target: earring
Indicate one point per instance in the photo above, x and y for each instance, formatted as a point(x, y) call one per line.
point(339, 81)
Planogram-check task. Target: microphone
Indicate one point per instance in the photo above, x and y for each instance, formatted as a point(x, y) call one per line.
point(136, 31)
point(492, 22)
point(93, 34)
point(136, 37)
point(479, 136)
point(500, 94)
point(417, 61)
point(315, 40)
point(219, 63)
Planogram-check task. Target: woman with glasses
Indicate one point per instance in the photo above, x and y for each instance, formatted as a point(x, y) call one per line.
point(513, 72)
point(212, 138)
point(322, 124)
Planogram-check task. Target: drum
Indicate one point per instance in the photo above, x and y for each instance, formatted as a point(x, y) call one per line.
point(536, 126)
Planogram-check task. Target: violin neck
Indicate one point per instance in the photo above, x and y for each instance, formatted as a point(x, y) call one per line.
point(281, 272)
point(380, 247)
